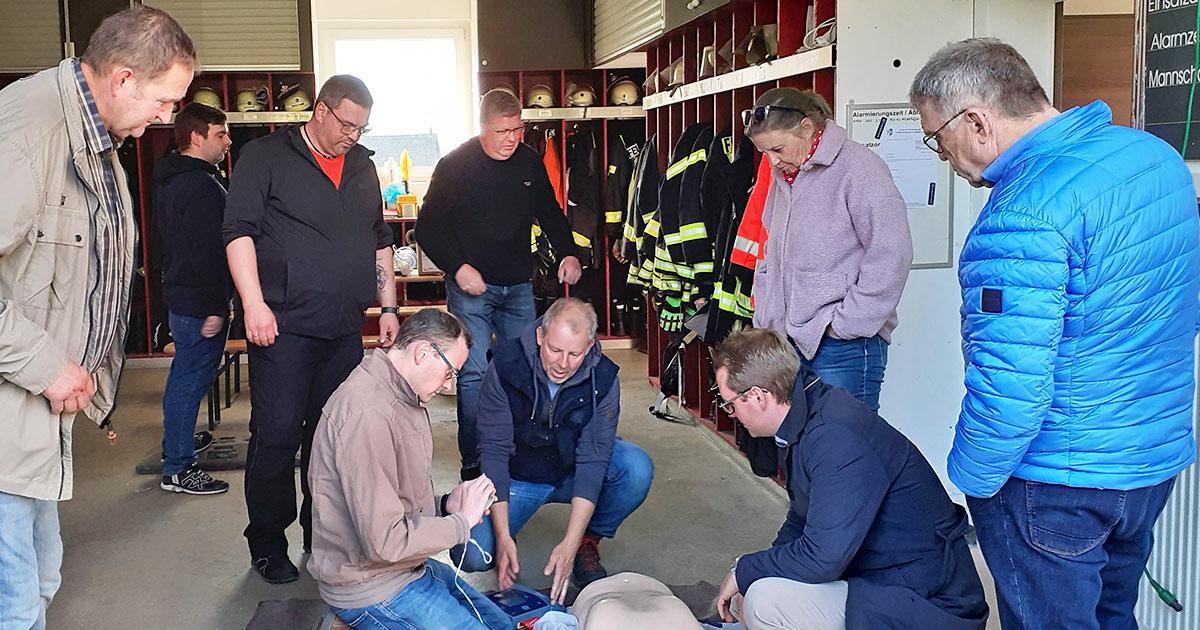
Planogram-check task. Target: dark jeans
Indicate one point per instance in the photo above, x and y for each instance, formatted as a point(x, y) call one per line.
point(289, 384)
point(505, 311)
point(192, 372)
point(855, 364)
point(626, 484)
point(1067, 558)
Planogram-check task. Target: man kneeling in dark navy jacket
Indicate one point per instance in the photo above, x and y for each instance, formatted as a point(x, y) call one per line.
point(871, 539)
point(548, 416)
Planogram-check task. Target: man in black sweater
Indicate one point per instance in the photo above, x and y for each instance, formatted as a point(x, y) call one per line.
point(309, 253)
point(189, 201)
point(475, 225)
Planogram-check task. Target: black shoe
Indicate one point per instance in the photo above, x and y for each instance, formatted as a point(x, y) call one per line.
point(587, 567)
point(470, 472)
point(277, 569)
point(201, 441)
point(193, 481)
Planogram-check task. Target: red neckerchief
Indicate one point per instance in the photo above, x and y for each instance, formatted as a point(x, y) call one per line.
point(791, 179)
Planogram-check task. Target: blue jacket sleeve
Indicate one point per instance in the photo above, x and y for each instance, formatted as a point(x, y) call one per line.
point(1013, 271)
point(848, 486)
point(595, 446)
point(494, 424)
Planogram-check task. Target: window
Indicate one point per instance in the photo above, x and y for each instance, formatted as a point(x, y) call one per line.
point(419, 99)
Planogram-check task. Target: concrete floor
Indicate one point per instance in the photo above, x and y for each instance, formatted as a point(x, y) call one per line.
point(138, 557)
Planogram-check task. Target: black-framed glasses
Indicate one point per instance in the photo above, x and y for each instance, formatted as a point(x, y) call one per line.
point(453, 372)
point(760, 113)
point(932, 141)
point(727, 405)
point(349, 128)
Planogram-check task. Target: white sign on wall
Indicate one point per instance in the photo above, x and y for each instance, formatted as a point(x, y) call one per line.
point(893, 131)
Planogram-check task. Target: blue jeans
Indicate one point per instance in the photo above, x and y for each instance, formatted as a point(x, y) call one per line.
point(626, 484)
point(854, 364)
point(431, 602)
point(30, 560)
point(192, 372)
point(505, 311)
point(1067, 558)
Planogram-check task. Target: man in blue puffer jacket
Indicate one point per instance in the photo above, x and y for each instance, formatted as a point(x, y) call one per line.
point(1079, 285)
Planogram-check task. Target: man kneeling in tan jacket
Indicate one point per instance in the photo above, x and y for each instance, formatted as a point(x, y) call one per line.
point(376, 519)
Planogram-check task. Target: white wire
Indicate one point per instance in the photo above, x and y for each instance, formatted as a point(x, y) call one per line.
point(487, 559)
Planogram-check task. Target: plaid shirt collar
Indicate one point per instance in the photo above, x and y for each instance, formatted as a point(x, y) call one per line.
point(99, 139)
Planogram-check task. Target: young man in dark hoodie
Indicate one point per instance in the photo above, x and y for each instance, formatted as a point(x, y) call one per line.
point(189, 201)
point(548, 414)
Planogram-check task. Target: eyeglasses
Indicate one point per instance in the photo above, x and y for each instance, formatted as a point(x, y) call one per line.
point(349, 128)
point(453, 372)
point(932, 141)
point(727, 405)
point(758, 114)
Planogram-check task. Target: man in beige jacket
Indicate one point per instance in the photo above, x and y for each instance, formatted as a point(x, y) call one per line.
point(67, 235)
point(376, 519)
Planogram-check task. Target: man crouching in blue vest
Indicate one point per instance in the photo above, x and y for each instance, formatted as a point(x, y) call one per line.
point(548, 412)
point(871, 539)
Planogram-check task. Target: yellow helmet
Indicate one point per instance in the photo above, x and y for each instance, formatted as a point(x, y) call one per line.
point(580, 95)
point(539, 95)
point(623, 92)
point(247, 101)
point(207, 96)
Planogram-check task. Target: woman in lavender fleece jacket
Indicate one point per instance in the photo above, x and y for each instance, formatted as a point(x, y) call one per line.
point(838, 246)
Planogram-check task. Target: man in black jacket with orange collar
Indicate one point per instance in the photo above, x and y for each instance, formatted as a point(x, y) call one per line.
point(309, 253)
point(871, 539)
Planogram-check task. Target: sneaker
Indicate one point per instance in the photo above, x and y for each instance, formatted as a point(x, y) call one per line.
point(277, 569)
point(201, 441)
point(193, 481)
point(587, 567)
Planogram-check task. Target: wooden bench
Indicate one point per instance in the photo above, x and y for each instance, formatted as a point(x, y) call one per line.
point(231, 369)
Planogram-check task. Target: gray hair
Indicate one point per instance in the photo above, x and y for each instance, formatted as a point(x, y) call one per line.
point(144, 39)
point(982, 71)
point(577, 315)
point(759, 357)
point(498, 103)
point(431, 325)
point(811, 105)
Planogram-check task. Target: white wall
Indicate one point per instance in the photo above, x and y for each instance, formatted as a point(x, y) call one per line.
point(924, 382)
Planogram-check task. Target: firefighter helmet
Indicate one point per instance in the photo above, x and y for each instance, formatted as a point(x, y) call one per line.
point(207, 96)
point(247, 101)
point(623, 92)
point(580, 95)
point(539, 95)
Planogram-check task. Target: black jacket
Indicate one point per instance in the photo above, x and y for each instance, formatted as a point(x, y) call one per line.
point(867, 508)
point(479, 211)
point(189, 203)
point(316, 243)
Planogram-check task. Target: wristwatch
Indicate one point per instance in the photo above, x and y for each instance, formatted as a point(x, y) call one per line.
point(394, 310)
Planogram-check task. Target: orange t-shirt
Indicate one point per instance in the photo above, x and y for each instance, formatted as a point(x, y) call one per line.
point(332, 167)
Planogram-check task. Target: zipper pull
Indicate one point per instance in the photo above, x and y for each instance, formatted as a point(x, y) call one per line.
point(112, 437)
point(111, 431)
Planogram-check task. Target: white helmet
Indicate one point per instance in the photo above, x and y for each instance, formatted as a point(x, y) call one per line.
point(539, 95)
point(623, 92)
point(580, 95)
point(207, 96)
point(405, 258)
point(247, 101)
